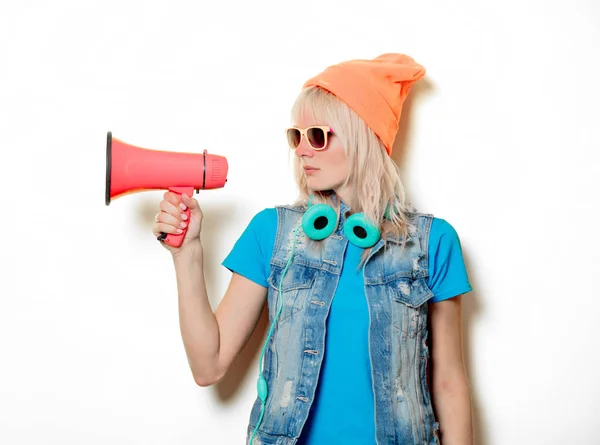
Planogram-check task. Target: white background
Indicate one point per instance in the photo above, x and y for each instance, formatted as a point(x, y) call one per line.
point(501, 139)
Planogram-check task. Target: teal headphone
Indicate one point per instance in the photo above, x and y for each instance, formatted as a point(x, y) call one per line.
point(318, 223)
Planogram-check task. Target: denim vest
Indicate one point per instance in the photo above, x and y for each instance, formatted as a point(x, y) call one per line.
point(397, 293)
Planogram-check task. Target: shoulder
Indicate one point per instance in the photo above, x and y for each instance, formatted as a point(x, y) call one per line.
point(442, 236)
point(288, 212)
point(266, 214)
point(264, 220)
point(442, 228)
point(267, 218)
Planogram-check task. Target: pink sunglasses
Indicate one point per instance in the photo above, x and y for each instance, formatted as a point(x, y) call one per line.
point(316, 136)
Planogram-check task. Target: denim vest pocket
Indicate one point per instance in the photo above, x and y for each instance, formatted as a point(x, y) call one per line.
point(412, 292)
point(408, 297)
point(296, 287)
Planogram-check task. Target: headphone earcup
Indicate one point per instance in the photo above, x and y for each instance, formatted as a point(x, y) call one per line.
point(319, 221)
point(360, 231)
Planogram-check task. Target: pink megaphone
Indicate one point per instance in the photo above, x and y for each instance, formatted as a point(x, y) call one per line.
point(131, 169)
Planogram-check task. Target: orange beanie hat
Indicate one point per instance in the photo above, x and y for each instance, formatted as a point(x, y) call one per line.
point(375, 89)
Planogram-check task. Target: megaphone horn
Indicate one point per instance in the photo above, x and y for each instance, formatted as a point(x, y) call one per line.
point(132, 169)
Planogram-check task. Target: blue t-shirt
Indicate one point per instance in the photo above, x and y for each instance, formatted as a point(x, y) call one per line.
point(343, 409)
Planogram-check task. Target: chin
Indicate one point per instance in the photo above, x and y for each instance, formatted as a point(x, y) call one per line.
point(320, 186)
point(315, 184)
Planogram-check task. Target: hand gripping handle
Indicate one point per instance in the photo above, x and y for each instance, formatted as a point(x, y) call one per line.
point(175, 239)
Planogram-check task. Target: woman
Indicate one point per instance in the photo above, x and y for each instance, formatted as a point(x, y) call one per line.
point(359, 285)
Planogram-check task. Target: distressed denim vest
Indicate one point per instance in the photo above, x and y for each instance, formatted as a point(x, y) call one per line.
point(396, 291)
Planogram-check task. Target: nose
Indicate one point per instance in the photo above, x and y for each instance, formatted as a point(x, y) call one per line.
point(303, 149)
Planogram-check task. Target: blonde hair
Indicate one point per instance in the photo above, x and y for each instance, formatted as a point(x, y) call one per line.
point(373, 175)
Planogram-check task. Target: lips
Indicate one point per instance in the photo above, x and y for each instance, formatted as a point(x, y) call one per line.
point(309, 169)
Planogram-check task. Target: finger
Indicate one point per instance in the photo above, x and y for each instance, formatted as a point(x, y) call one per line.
point(166, 218)
point(191, 203)
point(165, 228)
point(171, 209)
point(168, 195)
point(173, 198)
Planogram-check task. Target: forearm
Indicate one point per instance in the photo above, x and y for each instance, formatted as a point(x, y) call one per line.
point(198, 325)
point(453, 408)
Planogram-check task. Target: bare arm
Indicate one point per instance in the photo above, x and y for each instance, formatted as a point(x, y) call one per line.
point(451, 396)
point(213, 340)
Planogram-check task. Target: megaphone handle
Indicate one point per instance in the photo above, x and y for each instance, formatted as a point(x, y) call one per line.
point(174, 239)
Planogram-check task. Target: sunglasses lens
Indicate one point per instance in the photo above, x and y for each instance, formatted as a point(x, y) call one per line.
point(316, 137)
point(293, 136)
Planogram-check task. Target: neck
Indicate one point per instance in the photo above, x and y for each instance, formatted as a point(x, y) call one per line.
point(346, 194)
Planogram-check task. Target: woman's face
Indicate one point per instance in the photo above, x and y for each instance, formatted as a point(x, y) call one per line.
point(326, 169)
